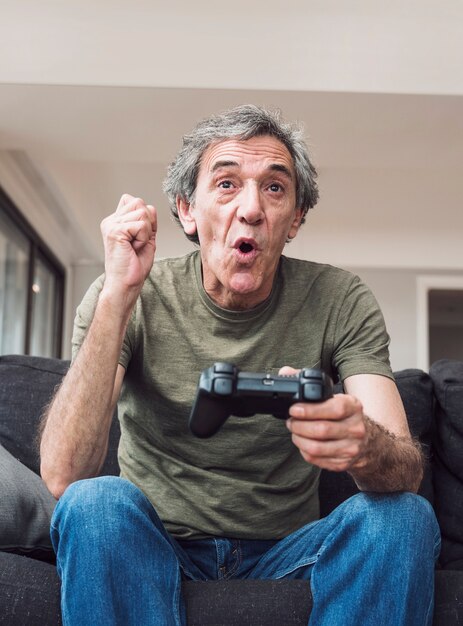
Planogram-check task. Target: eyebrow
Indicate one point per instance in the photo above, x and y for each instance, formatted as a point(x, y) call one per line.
point(219, 164)
point(278, 167)
point(275, 167)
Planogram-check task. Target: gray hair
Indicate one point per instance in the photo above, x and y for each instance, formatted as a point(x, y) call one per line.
point(242, 122)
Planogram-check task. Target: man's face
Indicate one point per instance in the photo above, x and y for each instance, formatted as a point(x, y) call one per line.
point(244, 211)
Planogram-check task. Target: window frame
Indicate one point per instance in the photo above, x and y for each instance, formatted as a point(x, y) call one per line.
point(37, 248)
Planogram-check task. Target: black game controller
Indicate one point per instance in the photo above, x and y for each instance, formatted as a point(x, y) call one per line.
point(223, 391)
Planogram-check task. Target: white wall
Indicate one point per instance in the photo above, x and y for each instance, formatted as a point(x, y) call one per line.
point(386, 218)
point(396, 291)
point(81, 277)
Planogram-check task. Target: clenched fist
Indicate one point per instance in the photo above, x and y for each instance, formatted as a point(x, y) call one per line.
point(129, 237)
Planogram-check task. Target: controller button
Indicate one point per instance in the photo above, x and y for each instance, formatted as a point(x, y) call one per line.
point(223, 386)
point(224, 368)
point(309, 373)
point(312, 392)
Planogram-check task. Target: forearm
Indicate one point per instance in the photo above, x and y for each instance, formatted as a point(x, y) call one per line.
point(76, 425)
point(389, 463)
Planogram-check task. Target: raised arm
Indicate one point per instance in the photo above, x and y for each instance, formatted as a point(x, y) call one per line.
point(76, 426)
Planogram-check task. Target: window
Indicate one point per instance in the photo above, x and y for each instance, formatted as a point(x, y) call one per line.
point(31, 288)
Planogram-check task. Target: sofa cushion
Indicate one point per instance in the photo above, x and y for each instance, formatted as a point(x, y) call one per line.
point(248, 602)
point(26, 385)
point(30, 596)
point(416, 390)
point(29, 592)
point(447, 376)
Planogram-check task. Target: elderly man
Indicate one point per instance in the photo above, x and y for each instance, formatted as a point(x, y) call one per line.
point(244, 503)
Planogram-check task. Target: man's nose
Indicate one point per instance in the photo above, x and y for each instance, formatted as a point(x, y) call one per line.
point(250, 208)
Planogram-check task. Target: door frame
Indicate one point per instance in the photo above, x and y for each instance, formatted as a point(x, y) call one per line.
point(424, 284)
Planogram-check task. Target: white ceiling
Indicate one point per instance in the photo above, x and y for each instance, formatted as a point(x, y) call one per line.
point(94, 99)
point(399, 46)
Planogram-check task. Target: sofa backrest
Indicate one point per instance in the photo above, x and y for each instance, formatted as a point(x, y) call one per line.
point(27, 384)
point(447, 377)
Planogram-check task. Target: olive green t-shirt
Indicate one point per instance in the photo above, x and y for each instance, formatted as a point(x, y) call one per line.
point(248, 481)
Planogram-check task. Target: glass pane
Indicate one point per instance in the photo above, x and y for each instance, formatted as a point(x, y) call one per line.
point(14, 255)
point(44, 299)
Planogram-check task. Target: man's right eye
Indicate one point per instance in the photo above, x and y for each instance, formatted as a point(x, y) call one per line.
point(226, 184)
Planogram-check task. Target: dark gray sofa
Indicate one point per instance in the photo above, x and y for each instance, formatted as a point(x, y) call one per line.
point(29, 585)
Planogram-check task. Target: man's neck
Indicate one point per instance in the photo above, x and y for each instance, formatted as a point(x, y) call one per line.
point(235, 301)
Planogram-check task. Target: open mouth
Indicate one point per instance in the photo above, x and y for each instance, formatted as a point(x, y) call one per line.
point(245, 247)
point(246, 250)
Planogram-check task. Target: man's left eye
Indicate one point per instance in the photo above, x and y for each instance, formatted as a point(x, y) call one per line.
point(275, 187)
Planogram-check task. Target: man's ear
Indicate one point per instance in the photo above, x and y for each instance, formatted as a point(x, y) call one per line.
point(295, 224)
point(185, 216)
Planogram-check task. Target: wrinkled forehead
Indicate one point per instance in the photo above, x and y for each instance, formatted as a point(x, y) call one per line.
point(258, 153)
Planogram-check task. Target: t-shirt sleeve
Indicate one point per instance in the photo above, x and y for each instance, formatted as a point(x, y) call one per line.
point(361, 338)
point(83, 319)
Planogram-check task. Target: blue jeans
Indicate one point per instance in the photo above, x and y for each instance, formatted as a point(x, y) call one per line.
point(370, 562)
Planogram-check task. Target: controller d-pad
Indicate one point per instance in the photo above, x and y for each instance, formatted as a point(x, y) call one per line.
point(222, 386)
point(312, 391)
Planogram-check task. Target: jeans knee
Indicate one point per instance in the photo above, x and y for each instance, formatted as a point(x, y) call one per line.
point(92, 501)
point(101, 489)
point(403, 517)
point(92, 491)
point(397, 505)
